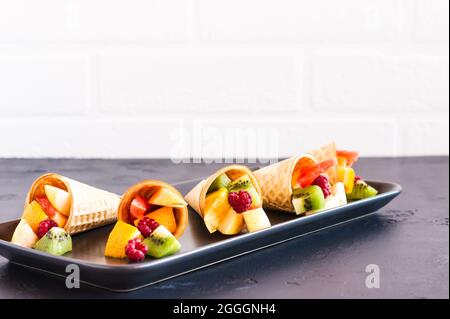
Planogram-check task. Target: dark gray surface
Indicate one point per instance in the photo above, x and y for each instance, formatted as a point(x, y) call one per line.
point(408, 239)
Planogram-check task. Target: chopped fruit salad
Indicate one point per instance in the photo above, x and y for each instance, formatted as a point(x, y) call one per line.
point(327, 184)
point(231, 203)
point(42, 224)
point(151, 228)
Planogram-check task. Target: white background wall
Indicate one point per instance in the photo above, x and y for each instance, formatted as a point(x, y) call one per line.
point(143, 78)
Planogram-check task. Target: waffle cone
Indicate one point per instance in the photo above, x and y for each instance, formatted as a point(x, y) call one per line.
point(90, 208)
point(276, 180)
point(276, 183)
point(146, 188)
point(324, 153)
point(197, 196)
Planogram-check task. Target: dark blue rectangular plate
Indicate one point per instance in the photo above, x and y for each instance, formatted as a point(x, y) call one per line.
point(199, 248)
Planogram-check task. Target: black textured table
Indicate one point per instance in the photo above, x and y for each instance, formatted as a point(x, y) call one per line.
point(408, 239)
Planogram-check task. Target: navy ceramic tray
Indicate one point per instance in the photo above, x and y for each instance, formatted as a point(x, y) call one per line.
point(199, 248)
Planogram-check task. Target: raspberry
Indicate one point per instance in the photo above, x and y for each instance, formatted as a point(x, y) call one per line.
point(146, 226)
point(45, 226)
point(240, 201)
point(357, 178)
point(135, 250)
point(324, 184)
point(142, 247)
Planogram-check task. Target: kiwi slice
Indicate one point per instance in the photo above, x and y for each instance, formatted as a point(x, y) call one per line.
point(221, 181)
point(362, 190)
point(161, 243)
point(56, 242)
point(308, 199)
point(244, 183)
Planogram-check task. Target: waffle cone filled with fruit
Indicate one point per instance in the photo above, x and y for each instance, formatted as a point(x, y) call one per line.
point(151, 216)
point(228, 200)
point(320, 179)
point(74, 206)
point(276, 181)
point(303, 184)
point(156, 200)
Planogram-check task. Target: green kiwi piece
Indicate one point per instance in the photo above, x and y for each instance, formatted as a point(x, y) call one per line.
point(308, 199)
point(161, 243)
point(220, 182)
point(362, 190)
point(244, 183)
point(56, 242)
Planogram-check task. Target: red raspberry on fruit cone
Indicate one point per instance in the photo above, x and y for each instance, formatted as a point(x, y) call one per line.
point(324, 184)
point(146, 226)
point(240, 201)
point(136, 250)
point(45, 226)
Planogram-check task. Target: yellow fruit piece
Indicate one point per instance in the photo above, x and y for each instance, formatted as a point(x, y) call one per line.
point(216, 206)
point(60, 199)
point(165, 197)
point(60, 219)
point(212, 197)
point(33, 215)
point(231, 223)
point(164, 216)
point(24, 235)
point(342, 161)
point(346, 175)
point(256, 219)
point(295, 176)
point(118, 239)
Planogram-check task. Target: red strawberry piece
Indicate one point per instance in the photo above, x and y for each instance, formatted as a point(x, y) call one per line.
point(46, 206)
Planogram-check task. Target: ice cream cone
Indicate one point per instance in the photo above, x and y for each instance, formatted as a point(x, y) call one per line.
point(146, 189)
point(90, 208)
point(324, 153)
point(197, 196)
point(276, 182)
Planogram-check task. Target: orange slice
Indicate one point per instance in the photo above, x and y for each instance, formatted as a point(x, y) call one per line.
point(164, 216)
point(118, 239)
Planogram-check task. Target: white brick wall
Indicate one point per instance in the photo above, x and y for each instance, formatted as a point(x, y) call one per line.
point(32, 84)
point(198, 81)
point(94, 21)
point(293, 21)
point(379, 81)
point(158, 78)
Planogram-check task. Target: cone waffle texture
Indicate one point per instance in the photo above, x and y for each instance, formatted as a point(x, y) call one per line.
point(324, 153)
point(276, 183)
point(146, 189)
point(276, 180)
point(197, 196)
point(90, 208)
